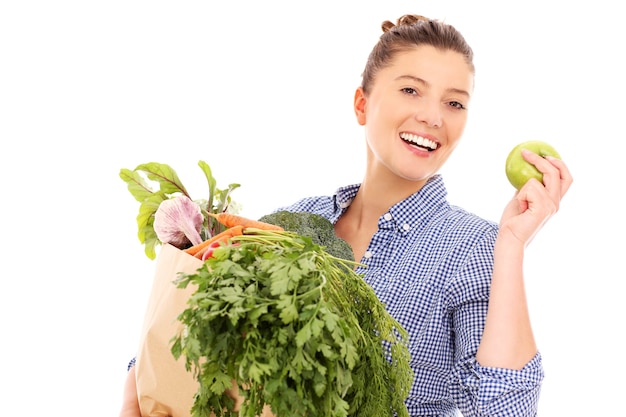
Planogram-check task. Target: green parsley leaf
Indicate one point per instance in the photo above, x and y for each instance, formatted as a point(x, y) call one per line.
point(295, 328)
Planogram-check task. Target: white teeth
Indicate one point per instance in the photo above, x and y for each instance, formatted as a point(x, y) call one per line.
point(419, 141)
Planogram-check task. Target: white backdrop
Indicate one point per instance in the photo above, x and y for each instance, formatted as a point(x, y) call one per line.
point(262, 91)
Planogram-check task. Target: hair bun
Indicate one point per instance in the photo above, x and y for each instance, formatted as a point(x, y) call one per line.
point(407, 19)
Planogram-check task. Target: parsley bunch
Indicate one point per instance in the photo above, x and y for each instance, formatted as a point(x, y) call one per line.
point(296, 328)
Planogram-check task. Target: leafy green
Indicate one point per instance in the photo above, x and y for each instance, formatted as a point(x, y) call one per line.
point(152, 183)
point(296, 327)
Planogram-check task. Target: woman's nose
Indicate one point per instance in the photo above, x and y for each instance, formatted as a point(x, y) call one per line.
point(429, 113)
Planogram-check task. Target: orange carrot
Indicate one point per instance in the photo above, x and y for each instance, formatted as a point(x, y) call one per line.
point(199, 249)
point(231, 220)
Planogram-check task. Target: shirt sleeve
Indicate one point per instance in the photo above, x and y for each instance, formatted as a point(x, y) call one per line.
point(477, 390)
point(131, 363)
point(486, 391)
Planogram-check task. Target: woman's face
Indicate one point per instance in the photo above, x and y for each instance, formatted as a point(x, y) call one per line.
point(415, 112)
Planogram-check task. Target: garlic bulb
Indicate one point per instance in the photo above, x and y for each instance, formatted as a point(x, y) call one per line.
point(178, 221)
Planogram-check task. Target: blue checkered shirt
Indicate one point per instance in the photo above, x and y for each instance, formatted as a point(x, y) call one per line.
point(430, 263)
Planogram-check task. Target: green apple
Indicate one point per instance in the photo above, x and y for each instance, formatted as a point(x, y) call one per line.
point(518, 170)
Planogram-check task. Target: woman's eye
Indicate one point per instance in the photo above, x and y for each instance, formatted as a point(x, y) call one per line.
point(457, 105)
point(409, 90)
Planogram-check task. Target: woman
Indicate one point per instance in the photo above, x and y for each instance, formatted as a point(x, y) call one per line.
point(453, 280)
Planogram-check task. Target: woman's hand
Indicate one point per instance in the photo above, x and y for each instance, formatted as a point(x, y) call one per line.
point(130, 402)
point(535, 202)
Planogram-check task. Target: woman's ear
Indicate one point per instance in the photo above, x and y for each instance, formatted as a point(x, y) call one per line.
point(359, 105)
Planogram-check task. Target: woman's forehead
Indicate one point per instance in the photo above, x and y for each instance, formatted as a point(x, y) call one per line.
point(430, 65)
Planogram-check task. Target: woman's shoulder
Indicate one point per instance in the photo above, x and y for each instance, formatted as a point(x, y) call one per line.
point(470, 228)
point(455, 223)
point(322, 205)
point(471, 219)
point(329, 206)
point(430, 206)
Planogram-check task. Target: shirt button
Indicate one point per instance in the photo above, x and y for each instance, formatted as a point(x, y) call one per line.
point(367, 255)
point(387, 216)
point(344, 204)
point(406, 227)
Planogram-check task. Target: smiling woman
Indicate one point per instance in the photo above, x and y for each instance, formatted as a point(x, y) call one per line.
point(452, 279)
point(125, 82)
point(435, 94)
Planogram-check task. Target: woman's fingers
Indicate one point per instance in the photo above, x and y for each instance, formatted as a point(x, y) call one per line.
point(565, 176)
point(556, 176)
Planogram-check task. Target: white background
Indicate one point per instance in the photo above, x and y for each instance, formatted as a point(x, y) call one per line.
point(262, 91)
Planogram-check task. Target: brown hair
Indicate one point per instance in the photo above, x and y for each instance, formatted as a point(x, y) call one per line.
point(411, 31)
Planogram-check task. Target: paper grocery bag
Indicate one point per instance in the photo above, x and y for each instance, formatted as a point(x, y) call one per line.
point(164, 387)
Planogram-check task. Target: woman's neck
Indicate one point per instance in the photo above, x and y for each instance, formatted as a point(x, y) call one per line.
point(374, 198)
point(378, 193)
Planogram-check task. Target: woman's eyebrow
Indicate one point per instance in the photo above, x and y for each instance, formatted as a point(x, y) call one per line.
point(412, 78)
point(426, 84)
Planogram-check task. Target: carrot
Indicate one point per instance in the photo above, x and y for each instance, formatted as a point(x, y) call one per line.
point(231, 220)
point(198, 250)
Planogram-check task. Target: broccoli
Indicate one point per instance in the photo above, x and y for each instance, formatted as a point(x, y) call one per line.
point(318, 228)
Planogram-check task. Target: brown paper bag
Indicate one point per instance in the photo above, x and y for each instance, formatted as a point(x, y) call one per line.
point(164, 387)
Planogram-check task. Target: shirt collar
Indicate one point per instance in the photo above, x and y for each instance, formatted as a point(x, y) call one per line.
point(406, 214)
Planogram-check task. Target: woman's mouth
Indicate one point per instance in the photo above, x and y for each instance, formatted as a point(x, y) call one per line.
point(419, 141)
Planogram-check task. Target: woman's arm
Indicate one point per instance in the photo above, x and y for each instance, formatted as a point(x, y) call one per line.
point(130, 402)
point(508, 340)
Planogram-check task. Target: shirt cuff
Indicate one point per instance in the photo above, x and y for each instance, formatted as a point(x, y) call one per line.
point(500, 389)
